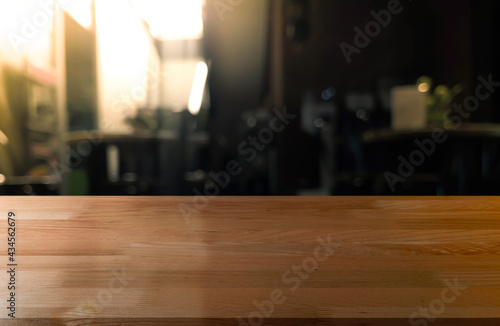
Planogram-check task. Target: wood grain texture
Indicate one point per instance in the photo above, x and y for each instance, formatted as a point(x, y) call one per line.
point(335, 260)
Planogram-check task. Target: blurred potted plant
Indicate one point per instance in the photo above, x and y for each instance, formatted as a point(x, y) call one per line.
point(439, 100)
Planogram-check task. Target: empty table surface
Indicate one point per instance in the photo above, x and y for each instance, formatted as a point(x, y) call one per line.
point(251, 260)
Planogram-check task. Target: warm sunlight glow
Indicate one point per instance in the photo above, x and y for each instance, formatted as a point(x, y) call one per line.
point(172, 19)
point(198, 89)
point(25, 28)
point(124, 53)
point(10, 13)
point(121, 40)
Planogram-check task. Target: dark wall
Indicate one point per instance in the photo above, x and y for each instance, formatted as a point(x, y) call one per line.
point(429, 37)
point(485, 52)
point(452, 41)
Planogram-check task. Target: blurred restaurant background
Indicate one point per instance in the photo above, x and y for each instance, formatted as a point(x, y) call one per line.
point(249, 97)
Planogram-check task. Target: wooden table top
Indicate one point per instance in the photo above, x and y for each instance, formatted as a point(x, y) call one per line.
point(265, 260)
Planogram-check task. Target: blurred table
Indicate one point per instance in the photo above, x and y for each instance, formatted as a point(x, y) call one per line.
point(321, 261)
point(466, 163)
point(142, 163)
point(467, 130)
point(29, 185)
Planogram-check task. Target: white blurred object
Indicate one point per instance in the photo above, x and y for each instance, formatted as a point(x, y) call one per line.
point(113, 159)
point(409, 108)
point(172, 19)
point(80, 10)
point(198, 89)
point(3, 138)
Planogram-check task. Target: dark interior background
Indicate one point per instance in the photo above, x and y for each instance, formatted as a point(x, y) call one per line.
point(269, 54)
